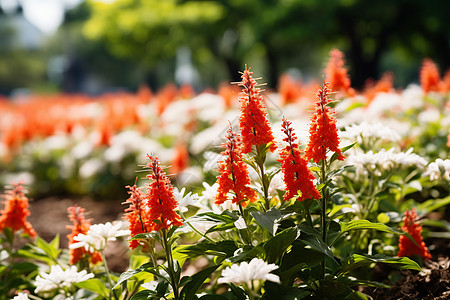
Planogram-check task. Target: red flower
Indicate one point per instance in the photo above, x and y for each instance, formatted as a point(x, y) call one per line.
point(429, 76)
point(336, 73)
point(255, 128)
point(137, 214)
point(233, 173)
point(80, 225)
point(323, 131)
point(296, 175)
point(405, 245)
point(160, 199)
point(16, 211)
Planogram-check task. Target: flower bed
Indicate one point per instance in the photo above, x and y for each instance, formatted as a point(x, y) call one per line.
point(276, 220)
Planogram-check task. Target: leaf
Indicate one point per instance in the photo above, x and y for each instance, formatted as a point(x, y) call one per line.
point(268, 220)
point(358, 261)
point(142, 295)
point(130, 273)
point(222, 248)
point(365, 224)
point(238, 292)
point(191, 287)
point(246, 253)
point(432, 204)
point(277, 245)
point(94, 285)
point(343, 150)
point(344, 207)
point(51, 249)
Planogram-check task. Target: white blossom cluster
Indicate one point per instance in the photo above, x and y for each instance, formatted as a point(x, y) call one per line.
point(97, 236)
point(245, 272)
point(438, 170)
point(384, 160)
point(59, 280)
point(365, 130)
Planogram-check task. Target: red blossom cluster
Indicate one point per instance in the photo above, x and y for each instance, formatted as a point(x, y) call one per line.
point(255, 128)
point(296, 175)
point(233, 173)
point(430, 79)
point(406, 246)
point(15, 213)
point(323, 130)
point(80, 225)
point(155, 209)
point(336, 73)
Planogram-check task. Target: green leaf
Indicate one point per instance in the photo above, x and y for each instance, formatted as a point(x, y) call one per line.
point(130, 273)
point(432, 204)
point(247, 253)
point(343, 150)
point(277, 245)
point(238, 293)
point(142, 295)
point(191, 287)
point(337, 208)
point(94, 285)
point(365, 224)
point(358, 261)
point(51, 249)
point(222, 248)
point(268, 220)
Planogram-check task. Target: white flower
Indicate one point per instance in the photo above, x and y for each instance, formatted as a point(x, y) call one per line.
point(367, 130)
point(439, 169)
point(384, 160)
point(256, 269)
point(91, 167)
point(21, 296)
point(185, 200)
point(240, 223)
point(98, 235)
point(59, 279)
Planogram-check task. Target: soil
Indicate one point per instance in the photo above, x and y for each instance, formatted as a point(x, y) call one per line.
point(49, 218)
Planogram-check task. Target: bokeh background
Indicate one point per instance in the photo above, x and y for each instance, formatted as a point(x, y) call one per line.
point(87, 46)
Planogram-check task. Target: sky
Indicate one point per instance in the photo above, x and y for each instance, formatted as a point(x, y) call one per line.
point(46, 15)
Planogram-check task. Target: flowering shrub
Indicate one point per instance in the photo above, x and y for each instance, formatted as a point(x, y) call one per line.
point(282, 220)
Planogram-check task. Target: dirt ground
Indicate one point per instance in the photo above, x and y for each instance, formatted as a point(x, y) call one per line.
point(49, 217)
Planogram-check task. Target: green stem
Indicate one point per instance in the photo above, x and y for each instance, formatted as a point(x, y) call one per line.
point(324, 212)
point(105, 264)
point(170, 264)
point(246, 238)
point(260, 162)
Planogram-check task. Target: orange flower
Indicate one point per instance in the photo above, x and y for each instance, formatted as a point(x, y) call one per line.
point(16, 211)
point(160, 199)
point(180, 160)
point(429, 76)
point(296, 175)
point(336, 73)
point(255, 128)
point(323, 131)
point(405, 245)
point(80, 225)
point(136, 214)
point(233, 174)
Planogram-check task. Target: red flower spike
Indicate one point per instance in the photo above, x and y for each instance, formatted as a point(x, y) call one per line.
point(336, 73)
point(323, 131)
point(160, 199)
point(80, 225)
point(234, 174)
point(255, 128)
point(429, 76)
point(405, 245)
point(16, 211)
point(296, 175)
point(137, 214)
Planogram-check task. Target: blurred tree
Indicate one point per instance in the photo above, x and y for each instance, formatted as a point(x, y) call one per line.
point(280, 30)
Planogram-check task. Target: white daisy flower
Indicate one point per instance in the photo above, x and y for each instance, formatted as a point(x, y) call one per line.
point(256, 269)
point(59, 279)
point(439, 169)
point(98, 235)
